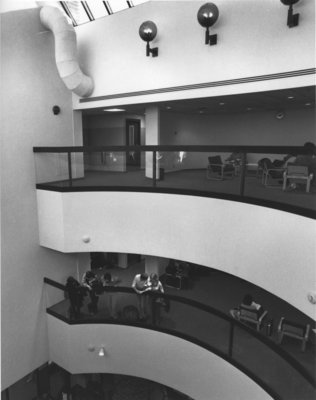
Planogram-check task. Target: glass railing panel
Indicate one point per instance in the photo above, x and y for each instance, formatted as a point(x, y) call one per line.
point(51, 168)
point(264, 180)
point(108, 305)
point(198, 171)
point(207, 328)
point(268, 365)
point(103, 168)
point(116, 168)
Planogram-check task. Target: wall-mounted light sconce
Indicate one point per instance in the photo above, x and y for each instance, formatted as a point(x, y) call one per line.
point(86, 239)
point(56, 110)
point(207, 16)
point(292, 19)
point(148, 32)
point(101, 352)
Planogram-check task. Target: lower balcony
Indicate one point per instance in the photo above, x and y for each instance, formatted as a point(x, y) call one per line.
point(192, 338)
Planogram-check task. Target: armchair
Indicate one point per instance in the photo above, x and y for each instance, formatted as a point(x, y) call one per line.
point(297, 174)
point(270, 171)
point(255, 317)
point(217, 170)
point(294, 330)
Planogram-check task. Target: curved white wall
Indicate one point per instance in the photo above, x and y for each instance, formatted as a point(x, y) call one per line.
point(272, 249)
point(152, 355)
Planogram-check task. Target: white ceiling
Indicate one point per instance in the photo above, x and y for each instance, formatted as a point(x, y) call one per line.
point(277, 100)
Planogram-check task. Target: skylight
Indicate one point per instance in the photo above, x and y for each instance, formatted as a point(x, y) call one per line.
point(82, 12)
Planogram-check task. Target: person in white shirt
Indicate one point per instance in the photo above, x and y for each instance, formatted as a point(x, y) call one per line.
point(141, 285)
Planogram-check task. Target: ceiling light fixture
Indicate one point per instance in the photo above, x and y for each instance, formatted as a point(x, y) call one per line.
point(221, 103)
point(249, 108)
point(114, 109)
point(207, 16)
point(308, 104)
point(292, 19)
point(290, 97)
point(101, 352)
point(279, 115)
point(148, 32)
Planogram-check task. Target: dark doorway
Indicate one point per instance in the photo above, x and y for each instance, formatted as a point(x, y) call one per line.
point(132, 139)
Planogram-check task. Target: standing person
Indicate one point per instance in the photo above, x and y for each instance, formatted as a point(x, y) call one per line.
point(108, 282)
point(140, 285)
point(92, 283)
point(75, 294)
point(157, 302)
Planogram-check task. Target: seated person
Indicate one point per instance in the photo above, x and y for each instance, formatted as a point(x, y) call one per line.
point(247, 302)
point(234, 158)
point(289, 158)
point(308, 160)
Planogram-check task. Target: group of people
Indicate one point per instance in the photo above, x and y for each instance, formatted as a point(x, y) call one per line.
point(308, 159)
point(93, 286)
point(143, 283)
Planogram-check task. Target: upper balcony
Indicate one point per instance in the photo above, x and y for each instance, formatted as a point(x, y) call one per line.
point(260, 175)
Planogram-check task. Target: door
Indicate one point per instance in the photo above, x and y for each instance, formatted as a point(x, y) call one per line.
point(132, 139)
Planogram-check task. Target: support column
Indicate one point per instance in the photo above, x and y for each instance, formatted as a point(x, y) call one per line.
point(122, 260)
point(83, 264)
point(77, 160)
point(152, 121)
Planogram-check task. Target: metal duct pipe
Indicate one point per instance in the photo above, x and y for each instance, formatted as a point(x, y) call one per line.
point(66, 51)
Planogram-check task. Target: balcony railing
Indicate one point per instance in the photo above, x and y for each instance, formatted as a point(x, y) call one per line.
point(194, 170)
point(280, 374)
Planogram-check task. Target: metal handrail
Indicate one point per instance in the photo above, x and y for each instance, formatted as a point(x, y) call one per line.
point(201, 306)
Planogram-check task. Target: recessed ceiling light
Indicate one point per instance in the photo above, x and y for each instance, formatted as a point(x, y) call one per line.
point(221, 104)
point(248, 108)
point(290, 97)
point(114, 109)
point(308, 104)
point(168, 108)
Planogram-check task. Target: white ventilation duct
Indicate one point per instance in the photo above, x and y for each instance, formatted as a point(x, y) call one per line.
point(66, 50)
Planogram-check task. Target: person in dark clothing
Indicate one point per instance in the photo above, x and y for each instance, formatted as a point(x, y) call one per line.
point(75, 294)
point(308, 159)
point(94, 286)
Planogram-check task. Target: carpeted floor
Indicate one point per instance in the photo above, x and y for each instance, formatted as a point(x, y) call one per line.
point(197, 180)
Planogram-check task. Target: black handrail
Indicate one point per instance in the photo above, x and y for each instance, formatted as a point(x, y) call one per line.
point(306, 212)
point(193, 303)
point(192, 148)
point(178, 334)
